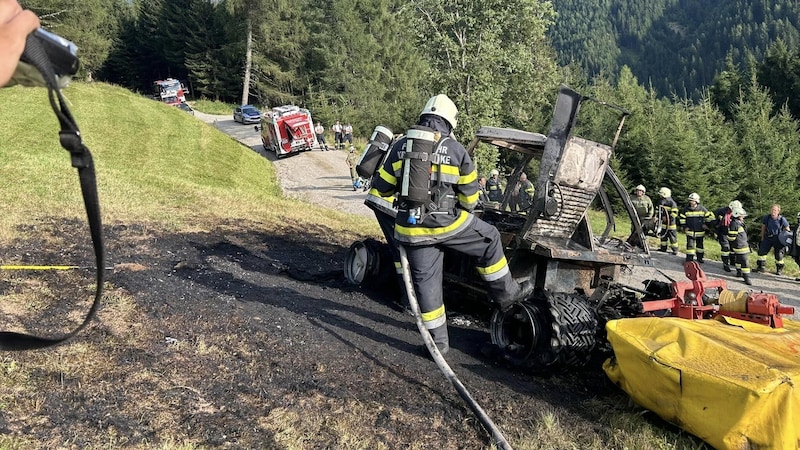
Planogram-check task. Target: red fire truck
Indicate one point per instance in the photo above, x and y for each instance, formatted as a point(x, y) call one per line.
point(287, 130)
point(169, 91)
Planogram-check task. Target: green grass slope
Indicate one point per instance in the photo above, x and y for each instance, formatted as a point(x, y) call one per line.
point(154, 163)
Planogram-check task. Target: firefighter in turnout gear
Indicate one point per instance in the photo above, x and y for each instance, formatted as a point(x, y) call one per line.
point(494, 187)
point(740, 248)
point(771, 226)
point(522, 195)
point(669, 232)
point(722, 220)
point(694, 219)
point(644, 208)
point(437, 188)
point(385, 211)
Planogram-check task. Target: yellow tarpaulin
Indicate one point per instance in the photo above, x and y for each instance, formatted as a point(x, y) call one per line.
point(729, 382)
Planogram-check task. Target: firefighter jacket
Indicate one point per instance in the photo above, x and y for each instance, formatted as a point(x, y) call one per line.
point(722, 219)
point(454, 171)
point(644, 206)
point(737, 237)
point(695, 220)
point(525, 190)
point(377, 202)
point(495, 189)
point(672, 211)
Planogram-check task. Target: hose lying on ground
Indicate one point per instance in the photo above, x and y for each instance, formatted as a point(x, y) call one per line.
point(487, 423)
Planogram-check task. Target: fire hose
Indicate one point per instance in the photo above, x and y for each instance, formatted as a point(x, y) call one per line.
point(486, 421)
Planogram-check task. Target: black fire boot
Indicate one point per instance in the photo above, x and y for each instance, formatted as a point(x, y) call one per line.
point(690, 258)
point(441, 338)
point(726, 263)
point(525, 290)
point(760, 266)
point(700, 258)
point(739, 273)
point(747, 279)
point(779, 269)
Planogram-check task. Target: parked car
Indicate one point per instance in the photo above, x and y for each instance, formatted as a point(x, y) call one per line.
point(184, 106)
point(246, 114)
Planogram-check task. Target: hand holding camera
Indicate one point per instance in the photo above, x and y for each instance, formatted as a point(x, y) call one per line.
point(15, 25)
point(19, 32)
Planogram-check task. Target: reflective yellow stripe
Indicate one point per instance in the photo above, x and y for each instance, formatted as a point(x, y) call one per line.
point(493, 268)
point(433, 319)
point(387, 177)
point(469, 199)
point(422, 231)
point(468, 178)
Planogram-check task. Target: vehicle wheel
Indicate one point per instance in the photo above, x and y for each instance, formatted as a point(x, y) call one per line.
point(574, 327)
point(522, 336)
point(369, 263)
point(549, 332)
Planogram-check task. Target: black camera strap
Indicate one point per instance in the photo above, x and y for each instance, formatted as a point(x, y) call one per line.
point(70, 138)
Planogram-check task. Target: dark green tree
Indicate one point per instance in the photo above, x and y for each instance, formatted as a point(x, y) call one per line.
point(768, 144)
point(91, 24)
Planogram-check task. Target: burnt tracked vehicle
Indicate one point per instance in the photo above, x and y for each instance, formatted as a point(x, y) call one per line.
point(548, 239)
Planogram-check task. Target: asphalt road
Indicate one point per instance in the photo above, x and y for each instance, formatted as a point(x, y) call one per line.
point(318, 177)
point(323, 178)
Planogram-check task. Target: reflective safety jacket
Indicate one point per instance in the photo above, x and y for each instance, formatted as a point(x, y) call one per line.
point(737, 237)
point(672, 209)
point(455, 172)
point(722, 219)
point(376, 201)
point(696, 220)
point(495, 190)
point(644, 206)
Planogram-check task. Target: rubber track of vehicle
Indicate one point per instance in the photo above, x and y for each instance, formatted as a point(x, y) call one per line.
point(574, 328)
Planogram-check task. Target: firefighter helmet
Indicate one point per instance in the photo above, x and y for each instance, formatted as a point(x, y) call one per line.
point(665, 192)
point(738, 212)
point(786, 238)
point(442, 106)
point(496, 172)
point(694, 197)
point(640, 188)
point(734, 204)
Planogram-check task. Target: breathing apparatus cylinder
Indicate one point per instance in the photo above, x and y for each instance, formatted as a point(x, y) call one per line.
point(416, 173)
point(376, 149)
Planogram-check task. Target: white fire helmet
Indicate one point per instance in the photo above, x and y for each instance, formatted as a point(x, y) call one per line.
point(734, 204)
point(665, 192)
point(640, 188)
point(442, 106)
point(494, 172)
point(738, 212)
point(694, 197)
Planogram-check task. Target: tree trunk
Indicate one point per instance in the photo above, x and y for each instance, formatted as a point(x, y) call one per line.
point(248, 62)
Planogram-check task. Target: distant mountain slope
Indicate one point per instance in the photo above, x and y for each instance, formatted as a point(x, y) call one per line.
point(677, 45)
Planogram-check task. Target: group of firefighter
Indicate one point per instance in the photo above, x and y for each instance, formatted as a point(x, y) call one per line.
point(726, 222)
point(341, 134)
point(424, 187)
point(491, 190)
